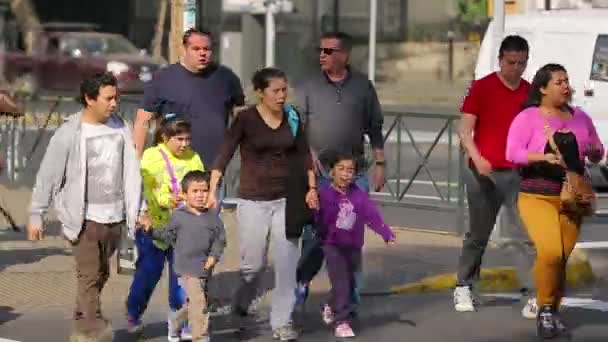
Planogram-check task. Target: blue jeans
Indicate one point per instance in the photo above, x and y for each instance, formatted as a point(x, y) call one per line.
point(312, 256)
point(148, 271)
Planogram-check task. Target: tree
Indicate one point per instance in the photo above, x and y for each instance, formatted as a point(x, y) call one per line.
point(157, 42)
point(177, 30)
point(472, 11)
point(28, 21)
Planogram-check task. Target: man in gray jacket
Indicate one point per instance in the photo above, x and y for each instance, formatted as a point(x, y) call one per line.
point(90, 172)
point(340, 107)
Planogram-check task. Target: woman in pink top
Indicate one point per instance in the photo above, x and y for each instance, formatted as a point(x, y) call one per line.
point(554, 235)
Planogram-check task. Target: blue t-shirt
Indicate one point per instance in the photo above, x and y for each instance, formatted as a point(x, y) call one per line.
point(205, 99)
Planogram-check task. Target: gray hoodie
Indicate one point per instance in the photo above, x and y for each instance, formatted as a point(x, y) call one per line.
point(194, 238)
point(62, 176)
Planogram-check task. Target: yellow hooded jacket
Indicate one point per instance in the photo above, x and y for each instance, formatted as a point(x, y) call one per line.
point(157, 182)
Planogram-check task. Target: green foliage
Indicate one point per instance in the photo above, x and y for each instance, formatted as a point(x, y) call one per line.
point(472, 11)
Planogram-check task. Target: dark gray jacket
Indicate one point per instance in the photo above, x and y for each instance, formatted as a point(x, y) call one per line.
point(194, 238)
point(338, 115)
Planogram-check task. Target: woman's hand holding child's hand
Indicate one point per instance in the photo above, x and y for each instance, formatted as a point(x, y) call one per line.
point(209, 263)
point(175, 200)
point(144, 221)
point(312, 199)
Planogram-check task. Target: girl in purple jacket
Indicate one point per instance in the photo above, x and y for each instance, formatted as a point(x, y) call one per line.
point(344, 212)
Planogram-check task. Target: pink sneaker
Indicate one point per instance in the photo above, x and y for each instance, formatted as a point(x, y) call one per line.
point(343, 330)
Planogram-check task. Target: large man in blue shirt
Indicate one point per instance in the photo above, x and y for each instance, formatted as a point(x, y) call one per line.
point(203, 91)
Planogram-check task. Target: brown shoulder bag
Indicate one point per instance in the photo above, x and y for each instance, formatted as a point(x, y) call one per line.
point(577, 196)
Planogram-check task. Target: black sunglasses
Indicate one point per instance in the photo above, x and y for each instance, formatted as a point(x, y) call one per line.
point(327, 51)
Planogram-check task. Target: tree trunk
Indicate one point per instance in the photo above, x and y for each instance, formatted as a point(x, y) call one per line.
point(177, 30)
point(28, 22)
point(157, 42)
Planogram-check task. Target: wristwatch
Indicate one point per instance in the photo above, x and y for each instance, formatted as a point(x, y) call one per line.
point(380, 162)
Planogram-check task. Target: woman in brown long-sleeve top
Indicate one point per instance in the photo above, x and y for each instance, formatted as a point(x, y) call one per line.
point(270, 138)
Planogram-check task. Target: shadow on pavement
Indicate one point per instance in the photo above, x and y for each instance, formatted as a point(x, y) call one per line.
point(7, 314)
point(17, 257)
point(576, 318)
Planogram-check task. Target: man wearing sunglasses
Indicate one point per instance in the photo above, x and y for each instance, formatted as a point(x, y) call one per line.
point(340, 107)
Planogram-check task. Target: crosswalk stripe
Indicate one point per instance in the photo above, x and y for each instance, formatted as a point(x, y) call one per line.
point(572, 302)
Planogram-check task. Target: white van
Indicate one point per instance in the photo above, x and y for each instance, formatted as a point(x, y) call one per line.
point(577, 39)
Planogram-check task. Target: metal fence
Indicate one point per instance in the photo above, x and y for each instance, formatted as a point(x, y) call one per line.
point(424, 163)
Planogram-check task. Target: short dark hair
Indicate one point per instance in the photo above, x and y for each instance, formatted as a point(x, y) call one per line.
point(90, 86)
point(195, 176)
point(339, 156)
point(261, 78)
point(194, 31)
point(513, 43)
point(346, 40)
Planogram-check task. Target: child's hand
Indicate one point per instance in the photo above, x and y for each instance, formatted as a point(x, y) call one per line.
point(391, 242)
point(175, 200)
point(209, 263)
point(312, 199)
point(144, 221)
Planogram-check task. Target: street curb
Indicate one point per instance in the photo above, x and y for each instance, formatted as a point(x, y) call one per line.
point(497, 279)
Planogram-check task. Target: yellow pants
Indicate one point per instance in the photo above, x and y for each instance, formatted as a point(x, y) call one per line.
point(554, 237)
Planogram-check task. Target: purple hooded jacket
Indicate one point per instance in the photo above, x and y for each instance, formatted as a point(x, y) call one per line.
point(342, 217)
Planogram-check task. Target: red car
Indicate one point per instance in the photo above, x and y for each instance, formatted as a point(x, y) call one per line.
point(62, 59)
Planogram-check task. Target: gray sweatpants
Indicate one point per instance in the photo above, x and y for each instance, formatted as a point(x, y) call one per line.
point(261, 223)
point(486, 195)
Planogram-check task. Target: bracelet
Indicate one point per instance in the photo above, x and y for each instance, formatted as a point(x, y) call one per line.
point(380, 162)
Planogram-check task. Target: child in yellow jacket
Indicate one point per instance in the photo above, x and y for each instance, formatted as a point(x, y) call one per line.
point(163, 166)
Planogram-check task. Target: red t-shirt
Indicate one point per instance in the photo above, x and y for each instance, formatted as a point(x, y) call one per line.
point(495, 106)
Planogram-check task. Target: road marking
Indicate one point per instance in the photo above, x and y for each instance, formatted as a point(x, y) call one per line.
point(423, 182)
point(572, 302)
point(592, 244)
point(421, 137)
point(425, 197)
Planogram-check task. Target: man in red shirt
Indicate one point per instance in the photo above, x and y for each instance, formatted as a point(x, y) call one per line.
point(487, 112)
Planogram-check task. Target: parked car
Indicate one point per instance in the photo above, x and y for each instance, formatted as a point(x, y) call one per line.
point(64, 56)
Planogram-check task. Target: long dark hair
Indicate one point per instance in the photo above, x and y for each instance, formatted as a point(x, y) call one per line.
point(169, 126)
point(541, 80)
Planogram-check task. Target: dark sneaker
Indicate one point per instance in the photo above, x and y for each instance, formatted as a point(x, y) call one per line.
point(545, 323)
point(559, 324)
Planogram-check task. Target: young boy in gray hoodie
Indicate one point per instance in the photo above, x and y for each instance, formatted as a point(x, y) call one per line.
point(198, 239)
point(90, 172)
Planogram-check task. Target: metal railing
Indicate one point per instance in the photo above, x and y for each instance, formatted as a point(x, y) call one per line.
point(23, 139)
point(424, 162)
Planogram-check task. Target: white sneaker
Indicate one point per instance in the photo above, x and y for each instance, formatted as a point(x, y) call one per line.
point(173, 331)
point(185, 333)
point(285, 333)
point(463, 299)
point(530, 310)
point(328, 315)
